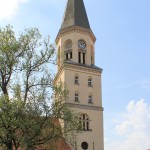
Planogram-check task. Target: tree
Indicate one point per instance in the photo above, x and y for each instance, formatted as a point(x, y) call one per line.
point(32, 109)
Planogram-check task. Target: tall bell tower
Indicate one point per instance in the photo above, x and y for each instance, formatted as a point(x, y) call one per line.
point(77, 70)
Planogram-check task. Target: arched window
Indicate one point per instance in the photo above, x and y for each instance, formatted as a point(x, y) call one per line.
point(82, 51)
point(89, 81)
point(76, 97)
point(84, 121)
point(68, 45)
point(68, 50)
point(76, 79)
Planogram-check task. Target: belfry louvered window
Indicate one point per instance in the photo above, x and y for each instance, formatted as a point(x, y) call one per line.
point(68, 50)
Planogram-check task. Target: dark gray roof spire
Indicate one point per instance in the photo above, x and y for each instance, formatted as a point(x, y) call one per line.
point(75, 15)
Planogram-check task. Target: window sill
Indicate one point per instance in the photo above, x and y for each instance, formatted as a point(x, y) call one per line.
point(76, 101)
point(76, 83)
point(90, 86)
point(68, 59)
point(90, 103)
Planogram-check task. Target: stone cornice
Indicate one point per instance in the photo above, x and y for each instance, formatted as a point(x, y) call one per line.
point(74, 66)
point(77, 29)
point(98, 108)
point(84, 66)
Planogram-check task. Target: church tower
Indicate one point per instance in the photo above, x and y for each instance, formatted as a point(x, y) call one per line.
point(77, 70)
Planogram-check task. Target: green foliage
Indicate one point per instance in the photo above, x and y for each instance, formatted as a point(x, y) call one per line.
point(33, 111)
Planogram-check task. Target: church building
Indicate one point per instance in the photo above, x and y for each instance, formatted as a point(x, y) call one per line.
point(77, 70)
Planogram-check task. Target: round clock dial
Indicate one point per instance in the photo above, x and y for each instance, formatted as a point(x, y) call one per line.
point(81, 44)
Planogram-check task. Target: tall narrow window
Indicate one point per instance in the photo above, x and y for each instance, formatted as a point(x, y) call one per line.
point(92, 60)
point(82, 51)
point(89, 81)
point(68, 50)
point(84, 125)
point(90, 100)
point(76, 79)
point(76, 97)
point(70, 55)
point(92, 55)
point(83, 58)
point(79, 57)
point(87, 124)
point(67, 56)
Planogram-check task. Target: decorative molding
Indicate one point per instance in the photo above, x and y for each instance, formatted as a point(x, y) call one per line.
point(73, 66)
point(82, 67)
point(85, 106)
point(76, 29)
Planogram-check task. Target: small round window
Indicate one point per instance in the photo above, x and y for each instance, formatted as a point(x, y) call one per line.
point(84, 145)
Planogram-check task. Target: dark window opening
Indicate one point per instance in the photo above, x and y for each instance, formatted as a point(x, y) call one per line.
point(66, 56)
point(79, 56)
point(70, 55)
point(84, 125)
point(83, 58)
point(83, 117)
point(84, 145)
point(92, 60)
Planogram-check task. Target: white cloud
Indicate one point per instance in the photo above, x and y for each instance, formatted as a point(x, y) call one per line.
point(9, 8)
point(132, 132)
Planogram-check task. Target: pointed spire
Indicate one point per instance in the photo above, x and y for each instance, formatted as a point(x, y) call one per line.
point(75, 15)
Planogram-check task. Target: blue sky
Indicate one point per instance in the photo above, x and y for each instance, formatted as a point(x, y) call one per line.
point(122, 29)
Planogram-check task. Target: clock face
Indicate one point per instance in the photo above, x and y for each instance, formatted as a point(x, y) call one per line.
point(81, 44)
